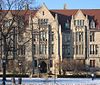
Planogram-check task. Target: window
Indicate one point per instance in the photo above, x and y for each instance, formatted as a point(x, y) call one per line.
point(42, 49)
point(67, 25)
point(42, 36)
point(92, 24)
point(34, 49)
point(66, 49)
point(43, 13)
point(67, 38)
point(96, 49)
point(52, 48)
point(34, 37)
point(42, 21)
point(79, 36)
point(92, 35)
point(75, 22)
point(77, 33)
point(92, 63)
point(79, 49)
point(82, 49)
point(21, 50)
point(79, 22)
point(90, 49)
point(93, 49)
point(76, 49)
point(35, 63)
point(52, 36)
point(51, 63)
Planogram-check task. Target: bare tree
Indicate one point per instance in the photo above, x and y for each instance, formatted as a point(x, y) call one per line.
point(10, 28)
point(72, 65)
point(27, 67)
point(19, 4)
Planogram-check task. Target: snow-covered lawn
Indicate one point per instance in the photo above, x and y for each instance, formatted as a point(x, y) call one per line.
point(55, 81)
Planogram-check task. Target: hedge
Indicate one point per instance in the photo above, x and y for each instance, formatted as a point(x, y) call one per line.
point(77, 76)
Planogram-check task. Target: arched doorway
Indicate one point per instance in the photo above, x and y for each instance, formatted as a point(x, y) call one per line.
point(43, 67)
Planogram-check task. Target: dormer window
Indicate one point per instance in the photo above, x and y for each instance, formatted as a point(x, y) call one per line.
point(66, 25)
point(92, 24)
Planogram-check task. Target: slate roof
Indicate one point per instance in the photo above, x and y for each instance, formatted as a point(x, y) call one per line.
point(63, 15)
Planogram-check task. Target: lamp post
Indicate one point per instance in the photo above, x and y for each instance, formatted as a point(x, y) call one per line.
point(20, 79)
point(39, 70)
point(4, 72)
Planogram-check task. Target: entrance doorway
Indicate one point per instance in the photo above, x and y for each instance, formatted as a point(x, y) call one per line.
point(43, 67)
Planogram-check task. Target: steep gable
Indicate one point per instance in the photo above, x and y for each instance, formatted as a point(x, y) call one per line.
point(8, 15)
point(43, 12)
point(79, 15)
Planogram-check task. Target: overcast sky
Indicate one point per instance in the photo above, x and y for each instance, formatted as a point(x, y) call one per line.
point(71, 4)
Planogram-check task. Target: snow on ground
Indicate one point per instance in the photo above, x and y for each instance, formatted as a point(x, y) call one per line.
point(55, 81)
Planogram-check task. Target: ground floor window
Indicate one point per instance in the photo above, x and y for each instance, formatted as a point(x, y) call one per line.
point(35, 63)
point(92, 63)
point(51, 63)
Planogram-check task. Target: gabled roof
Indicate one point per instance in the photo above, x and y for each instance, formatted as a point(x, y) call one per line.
point(63, 15)
point(95, 14)
point(20, 12)
point(91, 13)
point(65, 12)
point(23, 13)
point(62, 19)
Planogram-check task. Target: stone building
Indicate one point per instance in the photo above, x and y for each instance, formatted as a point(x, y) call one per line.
point(59, 34)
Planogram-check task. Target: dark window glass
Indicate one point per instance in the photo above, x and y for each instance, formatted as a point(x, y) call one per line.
point(35, 63)
point(92, 63)
point(51, 63)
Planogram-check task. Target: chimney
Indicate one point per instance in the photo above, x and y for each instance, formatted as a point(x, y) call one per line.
point(65, 6)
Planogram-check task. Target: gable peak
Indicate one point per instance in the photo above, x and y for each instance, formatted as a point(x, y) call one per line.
point(79, 14)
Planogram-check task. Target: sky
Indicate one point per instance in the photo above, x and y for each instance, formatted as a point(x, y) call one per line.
point(71, 4)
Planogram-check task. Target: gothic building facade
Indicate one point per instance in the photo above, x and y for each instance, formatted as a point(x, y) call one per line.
point(58, 34)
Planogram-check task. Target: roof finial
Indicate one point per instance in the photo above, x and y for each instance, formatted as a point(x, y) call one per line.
point(26, 6)
point(65, 6)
